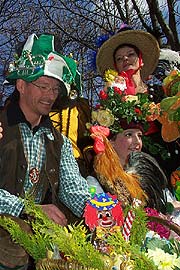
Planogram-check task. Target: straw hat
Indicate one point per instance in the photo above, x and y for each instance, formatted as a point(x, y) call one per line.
point(144, 41)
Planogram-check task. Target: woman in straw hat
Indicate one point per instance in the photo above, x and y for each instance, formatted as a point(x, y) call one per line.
point(133, 54)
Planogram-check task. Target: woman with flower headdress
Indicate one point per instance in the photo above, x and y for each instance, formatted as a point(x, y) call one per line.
point(120, 166)
point(124, 121)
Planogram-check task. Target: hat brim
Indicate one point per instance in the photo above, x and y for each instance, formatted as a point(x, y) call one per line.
point(144, 41)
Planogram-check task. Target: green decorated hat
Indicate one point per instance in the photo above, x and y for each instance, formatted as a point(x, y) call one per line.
point(39, 58)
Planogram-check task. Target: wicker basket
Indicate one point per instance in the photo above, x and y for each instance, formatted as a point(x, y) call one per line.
point(162, 220)
point(52, 264)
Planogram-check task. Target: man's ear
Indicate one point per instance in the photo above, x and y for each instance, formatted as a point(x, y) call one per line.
point(20, 86)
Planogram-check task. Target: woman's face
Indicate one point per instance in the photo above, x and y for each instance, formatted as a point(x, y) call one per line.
point(126, 58)
point(128, 141)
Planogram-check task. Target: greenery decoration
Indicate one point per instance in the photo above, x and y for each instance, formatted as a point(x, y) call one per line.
point(71, 241)
point(132, 108)
point(115, 106)
point(155, 148)
point(74, 244)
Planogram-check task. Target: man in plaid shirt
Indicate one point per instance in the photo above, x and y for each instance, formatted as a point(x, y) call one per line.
point(35, 158)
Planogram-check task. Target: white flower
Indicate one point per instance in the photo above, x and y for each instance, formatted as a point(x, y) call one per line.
point(163, 260)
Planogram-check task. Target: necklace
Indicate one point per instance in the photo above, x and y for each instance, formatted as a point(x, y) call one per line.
point(33, 154)
point(34, 175)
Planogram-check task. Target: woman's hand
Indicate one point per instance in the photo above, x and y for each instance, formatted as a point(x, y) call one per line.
point(54, 214)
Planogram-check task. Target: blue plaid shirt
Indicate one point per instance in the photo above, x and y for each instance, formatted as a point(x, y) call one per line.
point(73, 188)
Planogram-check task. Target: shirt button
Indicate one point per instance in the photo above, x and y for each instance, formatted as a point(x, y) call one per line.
point(17, 193)
point(20, 180)
point(55, 184)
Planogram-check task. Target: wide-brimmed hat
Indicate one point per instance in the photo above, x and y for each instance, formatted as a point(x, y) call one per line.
point(144, 41)
point(39, 58)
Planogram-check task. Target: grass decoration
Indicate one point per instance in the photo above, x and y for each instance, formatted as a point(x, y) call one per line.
point(139, 227)
point(34, 244)
point(131, 250)
point(71, 241)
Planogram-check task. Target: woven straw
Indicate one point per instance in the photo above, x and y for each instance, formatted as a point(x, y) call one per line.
point(52, 264)
point(144, 41)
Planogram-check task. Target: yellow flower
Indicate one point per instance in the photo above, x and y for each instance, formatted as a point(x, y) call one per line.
point(88, 125)
point(49, 254)
point(105, 118)
point(110, 75)
point(94, 116)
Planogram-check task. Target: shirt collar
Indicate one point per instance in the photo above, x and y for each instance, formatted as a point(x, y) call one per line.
point(16, 116)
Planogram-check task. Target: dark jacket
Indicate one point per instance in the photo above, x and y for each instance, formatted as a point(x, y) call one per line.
point(13, 167)
point(13, 164)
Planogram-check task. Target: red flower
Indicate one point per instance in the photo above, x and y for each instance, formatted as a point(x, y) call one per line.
point(137, 110)
point(103, 94)
point(97, 106)
point(117, 90)
point(51, 57)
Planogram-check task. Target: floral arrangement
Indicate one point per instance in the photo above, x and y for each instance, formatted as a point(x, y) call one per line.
point(72, 243)
point(170, 107)
point(171, 84)
point(114, 105)
point(165, 254)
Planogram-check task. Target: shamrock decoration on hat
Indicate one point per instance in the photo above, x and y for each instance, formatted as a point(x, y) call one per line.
point(39, 58)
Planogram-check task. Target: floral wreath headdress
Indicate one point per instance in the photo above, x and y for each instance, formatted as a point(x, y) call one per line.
point(117, 110)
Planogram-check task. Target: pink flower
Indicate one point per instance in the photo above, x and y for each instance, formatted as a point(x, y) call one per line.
point(100, 130)
point(103, 94)
point(157, 227)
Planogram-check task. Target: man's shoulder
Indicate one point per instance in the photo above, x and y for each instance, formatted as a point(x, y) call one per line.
point(3, 116)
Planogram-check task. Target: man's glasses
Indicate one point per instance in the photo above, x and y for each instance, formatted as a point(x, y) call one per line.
point(46, 89)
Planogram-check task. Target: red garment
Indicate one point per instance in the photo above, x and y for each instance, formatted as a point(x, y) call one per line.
point(128, 77)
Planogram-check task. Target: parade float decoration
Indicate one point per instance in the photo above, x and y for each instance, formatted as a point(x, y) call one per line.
point(170, 107)
point(116, 239)
point(115, 103)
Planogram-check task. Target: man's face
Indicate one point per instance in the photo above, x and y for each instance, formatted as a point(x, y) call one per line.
point(37, 97)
